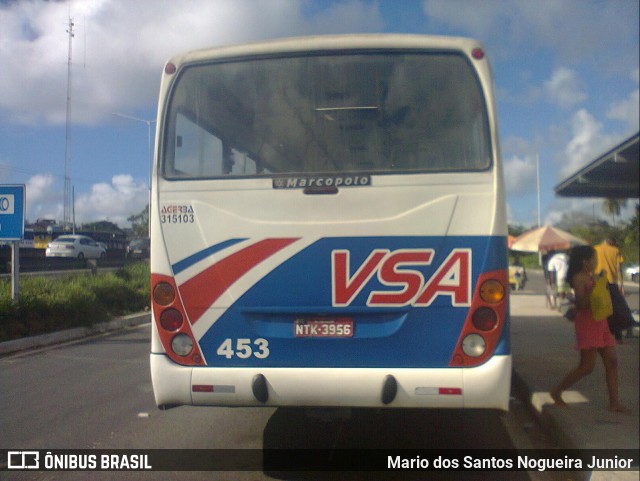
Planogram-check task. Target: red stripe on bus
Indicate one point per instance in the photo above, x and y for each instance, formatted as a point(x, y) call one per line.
point(202, 290)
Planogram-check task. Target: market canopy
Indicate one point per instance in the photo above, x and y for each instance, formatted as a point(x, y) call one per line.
point(613, 175)
point(545, 239)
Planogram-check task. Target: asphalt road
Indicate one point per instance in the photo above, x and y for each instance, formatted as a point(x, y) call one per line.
point(97, 394)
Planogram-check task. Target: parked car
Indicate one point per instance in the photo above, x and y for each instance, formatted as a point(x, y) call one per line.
point(78, 246)
point(517, 277)
point(138, 249)
point(631, 272)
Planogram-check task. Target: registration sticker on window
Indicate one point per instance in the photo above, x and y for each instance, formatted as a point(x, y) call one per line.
point(324, 327)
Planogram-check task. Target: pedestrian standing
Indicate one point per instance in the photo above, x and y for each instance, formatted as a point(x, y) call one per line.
point(609, 264)
point(592, 335)
point(558, 266)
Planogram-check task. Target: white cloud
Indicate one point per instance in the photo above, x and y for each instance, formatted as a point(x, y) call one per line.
point(574, 29)
point(114, 202)
point(486, 14)
point(125, 44)
point(564, 88)
point(559, 208)
point(44, 199)
point(588, 140)
point(520, 175)
point(353, 16)
point(626, 110)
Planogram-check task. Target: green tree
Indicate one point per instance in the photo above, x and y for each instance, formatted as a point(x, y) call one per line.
point(630, 237)
point(101, 226)
point(613, 207)
point(517, 229)
point(140, 223)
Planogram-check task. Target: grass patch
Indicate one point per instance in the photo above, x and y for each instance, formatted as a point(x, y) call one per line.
point(48, 305)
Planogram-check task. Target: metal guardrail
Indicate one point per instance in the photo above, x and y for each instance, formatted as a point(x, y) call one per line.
point(54, 266)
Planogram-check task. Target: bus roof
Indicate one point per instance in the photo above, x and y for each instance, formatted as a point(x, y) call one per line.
point(331, 43)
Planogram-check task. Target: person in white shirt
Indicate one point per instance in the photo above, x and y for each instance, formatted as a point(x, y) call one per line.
point(557, 267)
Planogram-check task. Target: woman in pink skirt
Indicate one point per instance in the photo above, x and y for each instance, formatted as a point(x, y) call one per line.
point(592, 335)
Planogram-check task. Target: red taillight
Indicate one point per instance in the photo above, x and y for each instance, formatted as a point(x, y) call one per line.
point(170, 68)
point(172, 323)
point(171, 319)
point(484, 319)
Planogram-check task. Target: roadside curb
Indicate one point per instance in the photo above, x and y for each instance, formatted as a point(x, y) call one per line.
point(548, 422)
point(10, 347)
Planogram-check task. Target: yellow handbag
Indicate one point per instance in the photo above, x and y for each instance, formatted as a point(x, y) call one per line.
point(600, 300)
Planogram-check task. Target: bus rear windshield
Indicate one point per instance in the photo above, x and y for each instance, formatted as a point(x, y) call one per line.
point(392, 112)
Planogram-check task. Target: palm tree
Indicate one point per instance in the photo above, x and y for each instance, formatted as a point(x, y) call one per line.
point(613, 207)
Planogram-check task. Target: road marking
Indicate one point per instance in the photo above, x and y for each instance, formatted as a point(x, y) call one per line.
point(539, 399)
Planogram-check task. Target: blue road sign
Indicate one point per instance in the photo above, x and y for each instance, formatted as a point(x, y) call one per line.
point(12, 212)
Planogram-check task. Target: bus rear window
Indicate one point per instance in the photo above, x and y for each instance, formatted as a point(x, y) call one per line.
point(386, 113)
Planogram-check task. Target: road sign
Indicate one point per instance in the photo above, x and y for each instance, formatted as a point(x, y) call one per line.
point(12, 212)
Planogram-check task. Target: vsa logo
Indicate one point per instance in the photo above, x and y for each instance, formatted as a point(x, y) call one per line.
point(397, 270)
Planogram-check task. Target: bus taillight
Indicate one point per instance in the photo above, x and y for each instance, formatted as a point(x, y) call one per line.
point(163, 293)
point(474, 345)
point(484, 318)
point(172, 324)
point(492, 291)
point(182, 345)
point(485, 321)
point(171, 319)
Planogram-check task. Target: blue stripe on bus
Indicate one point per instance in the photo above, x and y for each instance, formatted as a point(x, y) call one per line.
point(301, 288)
point(198, 256)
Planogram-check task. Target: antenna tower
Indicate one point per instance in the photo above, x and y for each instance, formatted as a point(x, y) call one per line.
point(68, 200)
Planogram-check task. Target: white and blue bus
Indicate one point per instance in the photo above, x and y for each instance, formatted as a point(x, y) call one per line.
point(328, 226)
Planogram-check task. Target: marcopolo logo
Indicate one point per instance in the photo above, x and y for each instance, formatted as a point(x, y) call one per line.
point(322, 181)
point(7, 204)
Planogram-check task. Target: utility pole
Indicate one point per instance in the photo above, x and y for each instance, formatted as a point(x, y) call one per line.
point(538, 184)
point(67, 150)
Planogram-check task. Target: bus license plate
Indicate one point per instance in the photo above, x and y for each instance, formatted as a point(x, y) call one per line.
point(340, 327)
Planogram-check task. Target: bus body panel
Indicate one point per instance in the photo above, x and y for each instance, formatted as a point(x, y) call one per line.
point(486, 386)
point(266, 304)
point(260, 264)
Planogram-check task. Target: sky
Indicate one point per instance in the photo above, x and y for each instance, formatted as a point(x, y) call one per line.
point(566, 75)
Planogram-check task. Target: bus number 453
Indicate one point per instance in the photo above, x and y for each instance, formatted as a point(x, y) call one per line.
point(244, 348)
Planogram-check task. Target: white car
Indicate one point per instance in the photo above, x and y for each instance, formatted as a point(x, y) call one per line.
point(78, 246)
point(631, 273)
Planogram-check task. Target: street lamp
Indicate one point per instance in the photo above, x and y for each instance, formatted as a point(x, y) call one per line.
point(148, 122)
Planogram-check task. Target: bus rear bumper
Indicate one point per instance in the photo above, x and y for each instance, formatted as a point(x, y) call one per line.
point(486, 386)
